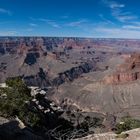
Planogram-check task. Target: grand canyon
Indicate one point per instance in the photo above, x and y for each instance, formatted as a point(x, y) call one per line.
point(82, 80)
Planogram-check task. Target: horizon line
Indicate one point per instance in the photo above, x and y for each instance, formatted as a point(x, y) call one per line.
point(18, 36)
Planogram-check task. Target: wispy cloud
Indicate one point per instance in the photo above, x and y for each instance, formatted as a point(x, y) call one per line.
point(77, 23)
point(33, 24)
point(52, 23)
point(123, 16)
point(106, 20)
point(117, 32)
point(113, 4)
point(132, 27)
point(117, 11)
point(5, 11)
point(8, 33)
point(136, 23)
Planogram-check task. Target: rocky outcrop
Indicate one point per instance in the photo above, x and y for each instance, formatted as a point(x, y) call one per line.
point(73, 73)
point(3, 120)
point(127, 72)
point(130, 135)
point(42, 78)
point(122, 77)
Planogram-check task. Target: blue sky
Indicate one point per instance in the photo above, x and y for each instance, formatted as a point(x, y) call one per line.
point(77, 18)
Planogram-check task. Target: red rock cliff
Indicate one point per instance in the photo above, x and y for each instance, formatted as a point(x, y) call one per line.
point(127, 72)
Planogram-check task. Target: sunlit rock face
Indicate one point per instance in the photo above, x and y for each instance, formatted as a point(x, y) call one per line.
point(24, 56)
point(113, 90)
point(127, 72)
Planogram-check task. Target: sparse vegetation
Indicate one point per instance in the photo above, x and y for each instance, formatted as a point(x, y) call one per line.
point(126, 124)
point(18, 85)
point(14, 101)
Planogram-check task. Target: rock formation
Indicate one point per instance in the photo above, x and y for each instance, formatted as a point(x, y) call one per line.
point(127, 72)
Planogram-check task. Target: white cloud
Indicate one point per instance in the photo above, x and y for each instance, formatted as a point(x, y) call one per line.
point(117, 32)
point(136, 23)
point(43, 20)
point(76, 23)
point(113, 4)
point(5, 11)
point(123, 16)
point(53, 24)
point(8, 33)
point(116, 5)
point(33, 25)
point(106, 20)
point(50, 22)
point(132, 27)
point(117, 11)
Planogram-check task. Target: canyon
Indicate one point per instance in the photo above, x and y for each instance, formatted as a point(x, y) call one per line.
point(83, 76)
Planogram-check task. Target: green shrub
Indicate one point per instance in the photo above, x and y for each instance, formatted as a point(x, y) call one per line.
point(126, 124)
point(18, 84)
point(15, 102)
point(14, 81)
